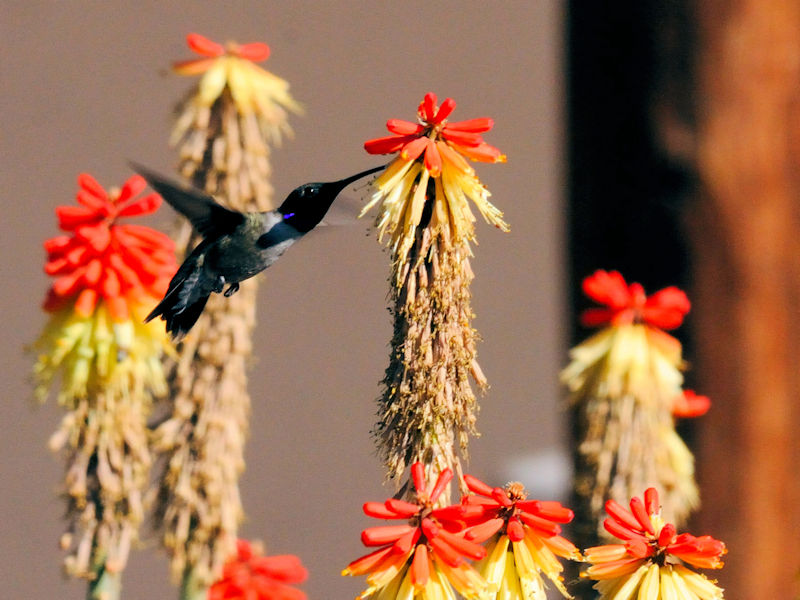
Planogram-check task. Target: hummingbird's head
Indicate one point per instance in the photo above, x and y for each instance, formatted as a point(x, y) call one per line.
point(306, 206)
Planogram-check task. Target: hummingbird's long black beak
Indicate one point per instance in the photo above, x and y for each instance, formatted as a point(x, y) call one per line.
point(338, 186)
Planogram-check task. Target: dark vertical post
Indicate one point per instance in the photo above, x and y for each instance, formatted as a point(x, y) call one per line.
point(746, 243)
point(625, 191)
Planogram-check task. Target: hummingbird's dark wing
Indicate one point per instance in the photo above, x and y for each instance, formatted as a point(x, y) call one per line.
point(207, 216)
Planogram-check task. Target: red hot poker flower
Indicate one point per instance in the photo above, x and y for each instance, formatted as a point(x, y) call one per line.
point(434, 137)
point(254, 52)
point(425, 551)
point(250, 576)
point(652, 554)
point(103, 259)
point(628, 304)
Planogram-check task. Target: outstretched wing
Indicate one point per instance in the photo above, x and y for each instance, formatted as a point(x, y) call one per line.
point(206, 215)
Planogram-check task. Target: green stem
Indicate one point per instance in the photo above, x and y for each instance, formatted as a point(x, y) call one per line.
point(106, 585)
point(191, 588)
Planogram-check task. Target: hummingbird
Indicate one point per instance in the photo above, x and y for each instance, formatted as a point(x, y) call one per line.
point(235, 245)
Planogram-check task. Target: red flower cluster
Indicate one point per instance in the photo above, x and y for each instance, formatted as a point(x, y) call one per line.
point(510, 510)
point(628, 303)
point(255, 52)
point(434, 137)
point(645, 540)
point(433, 547)
point(430, 530)
point(249, 576)
point(102, 259)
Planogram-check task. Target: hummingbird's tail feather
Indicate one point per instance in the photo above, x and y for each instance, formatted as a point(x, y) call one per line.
point(184, 301)
point(179, 315)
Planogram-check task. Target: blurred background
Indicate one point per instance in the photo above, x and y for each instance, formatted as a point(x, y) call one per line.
point(658, 138)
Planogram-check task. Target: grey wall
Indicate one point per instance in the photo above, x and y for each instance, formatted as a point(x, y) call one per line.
point(85, 87)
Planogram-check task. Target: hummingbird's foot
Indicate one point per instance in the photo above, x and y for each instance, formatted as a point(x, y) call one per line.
point(232, 289)
point(219, 284)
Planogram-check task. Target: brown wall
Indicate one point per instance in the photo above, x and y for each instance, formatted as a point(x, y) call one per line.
point(85, 88)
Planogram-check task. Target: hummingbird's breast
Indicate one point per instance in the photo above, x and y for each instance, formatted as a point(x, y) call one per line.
point(255, 246)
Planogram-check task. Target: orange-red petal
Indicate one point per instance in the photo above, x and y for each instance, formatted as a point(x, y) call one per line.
point(413, 149)
point(203, 45)
point(483, 531)
point(640, 513)
point(420, 570)
point(483, 152)
point(418, 476)
point(388, 144)
point(444, 111)
point(254, 51)
point(86, 302)
point(403, 127)
point(141, 206)
point(478, 125)
point(476, 485)
point(427, 107)
point(70, 217)
point(441, 483)
point(462, 138)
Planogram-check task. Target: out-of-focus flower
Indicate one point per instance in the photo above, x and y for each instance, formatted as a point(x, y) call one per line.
point(225, 130)
point(428, 409)
point(253, 90)
point(233, 66)
point(426, 555)
point(627, 304)
point(624, 381)
point(251, 576)
point(690, 404)
point(429, 182)
point(523, 539)
point(108, 275)
point(650, 561)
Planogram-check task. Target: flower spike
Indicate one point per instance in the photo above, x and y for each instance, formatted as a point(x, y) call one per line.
point(107, 275)
point(424, 199)
point(626, 381)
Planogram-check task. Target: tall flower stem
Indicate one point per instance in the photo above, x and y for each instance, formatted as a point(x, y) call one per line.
point(222, 132)
point(625, 383)
point(428, 409)
point(107, 362)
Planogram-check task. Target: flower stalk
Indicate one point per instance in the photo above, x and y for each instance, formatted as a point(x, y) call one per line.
point(223, 134)
point(107, 361)
point(428, 409)
point(625, 382)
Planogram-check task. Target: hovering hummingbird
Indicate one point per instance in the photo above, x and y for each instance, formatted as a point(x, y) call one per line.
point(235, 245)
